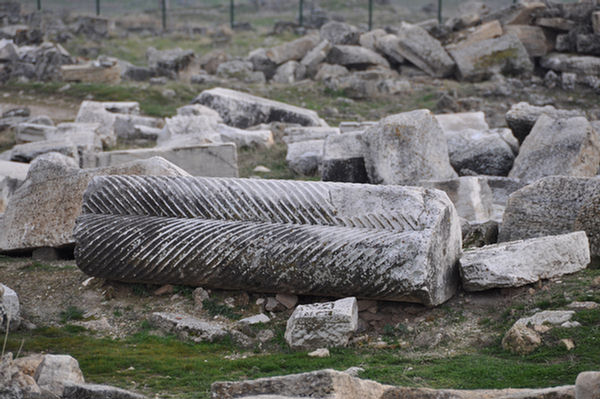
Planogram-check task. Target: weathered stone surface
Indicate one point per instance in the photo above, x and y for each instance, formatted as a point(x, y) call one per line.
point(548, 206)
point(29, 151)
point(368, 84)
point(295, 134)
point(107, 72)
point(355, 57)
point(470, 195)
point(10, 309)
point(169, 62)
point(260, 63)
point(304, 157)
point(12, 175)
point(406, 148)
point(587, 220)
point(94, 391)
point(502, 188)
point(245, 138)
point(57, 370)
point(411, 235)
point(240, 70)
point(14, 170)
point(371, 39)
point(327, 72)
point(518, 263)
point(105, 114)
point(244, 110)
point(423, 50)
point(461, 121)
point(582, 65)
point(188, 327)
point(329, 324)
point(485, 31)
point(505, 54)
point(218, 160)
point(483, 152)
point(569, 147)
point(344, 158)
point(29, 132)
point(521, 340)
point(533, 38)
point(339, 33)
point(522, 117)
point(290, 72)
point(315, 57)
point(189, 130)
point(331, 384)
point(292, 51)
point(478, 234)
point(587, 385)
point(33, 219)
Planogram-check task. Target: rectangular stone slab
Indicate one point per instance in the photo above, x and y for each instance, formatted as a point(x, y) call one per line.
point(385, 242)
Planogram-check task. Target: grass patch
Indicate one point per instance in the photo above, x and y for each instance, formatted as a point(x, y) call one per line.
point(72, 313)
point(192, 367)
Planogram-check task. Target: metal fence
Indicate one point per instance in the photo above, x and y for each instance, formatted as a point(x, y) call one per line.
point(370, 13)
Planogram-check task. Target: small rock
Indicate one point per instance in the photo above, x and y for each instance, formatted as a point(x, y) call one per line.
point(321, 352)
point(261, 169)
point(568, 343)
point(259, 318)
point(273, 305)
point(521, 340)
point(199, 295)
point(287, 300)
point(570, 324)
point(583, 305)
point(265, 335)
point(354, 371)
point(164, 290)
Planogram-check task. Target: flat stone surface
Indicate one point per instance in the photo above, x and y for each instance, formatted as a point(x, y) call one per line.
point(387, 242)
point(300, 133)
point(245, 138)
point(582, 65)
point(95, 391)
point(33, 219)
point(549, 206)
point(406, 148)
point(344, 158)
point(517, 263)
point(505, 54)
point(14, 170)
point(458, 122)
point(244, 110)
point(294, 50)
point(189, 327)
point(329, 324)
point(567, 147)
point(219, 160)
point(355, 57)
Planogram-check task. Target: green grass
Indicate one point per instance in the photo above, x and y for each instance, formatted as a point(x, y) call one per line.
point(186, 370)
point(214, 308)
point(72, 313)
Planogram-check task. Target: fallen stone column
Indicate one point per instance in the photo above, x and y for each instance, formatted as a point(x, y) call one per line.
point(384, 242)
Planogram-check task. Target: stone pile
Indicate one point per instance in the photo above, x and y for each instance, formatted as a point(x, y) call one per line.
point(51, 376)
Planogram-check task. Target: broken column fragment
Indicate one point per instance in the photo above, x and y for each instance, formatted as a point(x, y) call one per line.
point(385, 242)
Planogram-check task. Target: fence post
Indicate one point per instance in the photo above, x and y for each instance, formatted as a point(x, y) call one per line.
point(164, 14)
point(39, 4)
point(97, 7)
point(370, 14)
point(440, 11)
point(231, 14)
point(301, 13)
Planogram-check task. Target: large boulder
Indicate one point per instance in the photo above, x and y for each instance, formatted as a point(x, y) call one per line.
point(521, 117)
point(10, 309)
point(423, 50)
point(348, 238)
point(355, 57)
point(57, 370)
point(517, 263)
point(244, 110)
point(406, 148)
point(505, 54)
point(483, 152)
point(568, 147)
point(550, 206)
point(322, 325)
point(533, 38)
point(42, 212)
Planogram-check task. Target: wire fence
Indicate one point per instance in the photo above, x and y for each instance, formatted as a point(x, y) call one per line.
point(172, 13)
